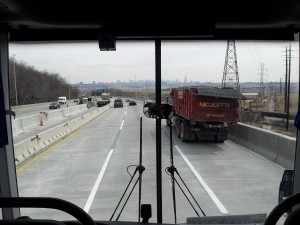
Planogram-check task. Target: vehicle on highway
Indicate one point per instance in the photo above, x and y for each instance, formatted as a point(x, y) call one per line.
point(118, 103)
point(132, 102)
point(147, 101)
point(127, 99)
point(82, 165)
point(54, 105)
point(105, 99)
point(203, 113)
point(77, 100)
point(62, 100)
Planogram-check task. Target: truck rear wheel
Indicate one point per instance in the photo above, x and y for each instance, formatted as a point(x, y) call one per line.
point(182, 133)
point(178, 132)
point(168, 122)
point(220, 138)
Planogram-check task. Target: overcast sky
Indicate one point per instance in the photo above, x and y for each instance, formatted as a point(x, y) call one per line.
point(196, 60)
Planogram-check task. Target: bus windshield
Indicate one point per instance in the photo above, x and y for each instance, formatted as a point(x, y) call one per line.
point(232, 130)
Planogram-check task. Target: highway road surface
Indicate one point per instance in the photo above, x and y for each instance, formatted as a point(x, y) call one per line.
point(89, 168)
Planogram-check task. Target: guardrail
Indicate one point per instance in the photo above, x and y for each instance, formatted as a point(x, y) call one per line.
point(273, 146)
point(278, 115)
point(33, 146)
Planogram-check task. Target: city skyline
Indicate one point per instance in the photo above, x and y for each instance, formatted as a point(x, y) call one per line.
point(201, 61)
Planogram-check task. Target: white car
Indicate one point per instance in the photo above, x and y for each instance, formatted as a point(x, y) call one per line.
point(62, 100)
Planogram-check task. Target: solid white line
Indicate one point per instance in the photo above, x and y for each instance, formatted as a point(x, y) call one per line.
point(90, 200)
point(122, 125)
point(211, 194)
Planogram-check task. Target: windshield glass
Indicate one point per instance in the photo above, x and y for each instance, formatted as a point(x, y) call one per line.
point(87, 151)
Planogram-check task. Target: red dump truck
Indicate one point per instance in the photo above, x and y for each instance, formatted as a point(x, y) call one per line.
point(105, 99)
point(203, 113)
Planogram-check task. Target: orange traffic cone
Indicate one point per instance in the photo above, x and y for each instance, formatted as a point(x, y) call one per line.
point(41, 122)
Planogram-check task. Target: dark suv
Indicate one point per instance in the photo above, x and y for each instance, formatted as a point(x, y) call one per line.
point(118, 103)
point(54, 105)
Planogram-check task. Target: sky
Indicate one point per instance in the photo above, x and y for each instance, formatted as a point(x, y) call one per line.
point(135, 60)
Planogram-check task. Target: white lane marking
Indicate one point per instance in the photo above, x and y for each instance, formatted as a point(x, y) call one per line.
point(91, 197)
point(125, 113)
point(211, 194)
point(122, 125)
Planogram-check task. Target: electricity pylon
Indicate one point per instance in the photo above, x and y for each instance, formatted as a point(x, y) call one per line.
point(231, 74)
point(262, 74)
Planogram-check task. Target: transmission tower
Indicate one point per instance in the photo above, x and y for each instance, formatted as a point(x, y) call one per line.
point(231, 74)
point(261, 80)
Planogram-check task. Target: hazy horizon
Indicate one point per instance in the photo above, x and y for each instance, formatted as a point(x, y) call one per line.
point(201, 61)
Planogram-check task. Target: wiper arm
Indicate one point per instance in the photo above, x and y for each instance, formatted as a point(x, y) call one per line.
point(140, 168)
point(171, 172)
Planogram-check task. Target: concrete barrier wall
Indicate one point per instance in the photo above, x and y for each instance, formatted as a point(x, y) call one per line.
point(273, 146)
point(29, 148)
point(37, 105)
point(26, 123)
point(29, 106)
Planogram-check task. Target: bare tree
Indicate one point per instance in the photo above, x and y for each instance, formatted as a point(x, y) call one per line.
point(34, 86)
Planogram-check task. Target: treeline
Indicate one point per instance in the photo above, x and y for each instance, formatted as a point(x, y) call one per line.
point(34, 86)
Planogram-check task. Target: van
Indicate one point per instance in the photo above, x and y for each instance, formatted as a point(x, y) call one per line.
point(62, 100)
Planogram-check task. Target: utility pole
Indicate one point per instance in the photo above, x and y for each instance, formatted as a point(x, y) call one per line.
point(69, 86)
point(288, 93)
point(16, 91)
point(135, 86)
point(288, 59)
point(231, 74)
point(280, 86)
point(286, 78)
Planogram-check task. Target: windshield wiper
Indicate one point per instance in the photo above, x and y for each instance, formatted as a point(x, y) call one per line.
point(139, 168)
point(171, 171)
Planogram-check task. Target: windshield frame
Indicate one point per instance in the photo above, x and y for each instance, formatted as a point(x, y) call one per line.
point(158, 130)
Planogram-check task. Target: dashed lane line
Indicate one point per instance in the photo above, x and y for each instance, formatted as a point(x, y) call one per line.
point(122, 125)
point(92, 195)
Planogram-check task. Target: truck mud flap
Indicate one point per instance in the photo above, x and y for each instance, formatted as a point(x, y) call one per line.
point(205, 137)
point(220, 138)
point(186, 135)
point(178, 130)
point(211, 137)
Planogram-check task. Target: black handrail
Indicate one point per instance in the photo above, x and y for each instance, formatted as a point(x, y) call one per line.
point(50, 203)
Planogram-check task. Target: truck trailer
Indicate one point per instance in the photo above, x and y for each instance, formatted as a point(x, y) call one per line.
point(105, 99)
point(204, 113)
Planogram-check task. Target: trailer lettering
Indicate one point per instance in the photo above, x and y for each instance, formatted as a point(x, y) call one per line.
point(180, 94)
point(214, 105)
point(215, 115)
